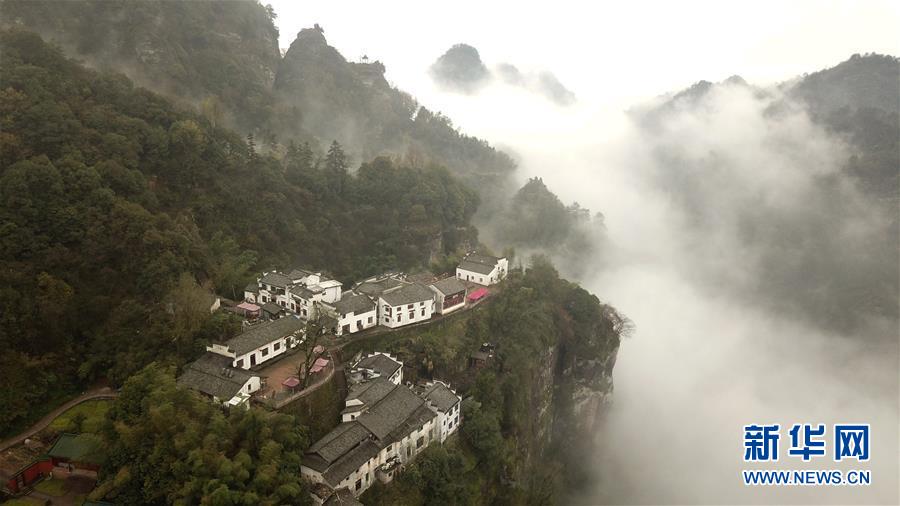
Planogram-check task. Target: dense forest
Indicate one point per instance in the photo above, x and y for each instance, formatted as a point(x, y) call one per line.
point(115, 205)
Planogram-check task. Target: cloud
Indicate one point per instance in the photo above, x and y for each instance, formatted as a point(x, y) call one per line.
point(741, 259)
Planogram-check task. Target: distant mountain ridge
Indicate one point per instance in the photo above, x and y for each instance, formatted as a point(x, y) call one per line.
point(222, 58)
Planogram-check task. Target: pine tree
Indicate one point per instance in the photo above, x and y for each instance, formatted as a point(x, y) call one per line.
point(336, 169)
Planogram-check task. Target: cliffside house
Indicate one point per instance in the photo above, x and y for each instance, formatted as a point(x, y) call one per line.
point(261, 342)
point(482, 269)
point(450, 295)
point(405, 304)
point(214, 376)
point(444, 401)
point(354, 312)
point(385, 425)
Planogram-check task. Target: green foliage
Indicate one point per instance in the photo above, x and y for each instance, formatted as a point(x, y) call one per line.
point(119, 213)
point(168, 445)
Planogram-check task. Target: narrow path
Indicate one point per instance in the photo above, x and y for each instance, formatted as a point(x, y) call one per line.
point(97, 393)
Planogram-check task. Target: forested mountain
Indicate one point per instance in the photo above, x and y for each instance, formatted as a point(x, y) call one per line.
point(219, 56)
point(114, 202)
point(222, 58)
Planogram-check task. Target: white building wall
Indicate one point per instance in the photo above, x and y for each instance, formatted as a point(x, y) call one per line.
point(497, 274)
point(244, 362)
point(358, 322)
point(421, 311)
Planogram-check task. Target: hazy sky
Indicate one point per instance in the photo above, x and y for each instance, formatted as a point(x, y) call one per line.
point(607, 51)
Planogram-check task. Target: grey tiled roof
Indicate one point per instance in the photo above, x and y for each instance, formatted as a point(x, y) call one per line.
point(407, 294)
point(371, 392)
point(441, 397)
point(302, 292)
point(380, 363)
point(276, 278)
point(390, 413)
point(264, 334)
point(272, 308)
point(375, 288)
point(480, 268)
point(339, 441)
point(206, 375)
point(356, 304)
point(482, 259)
point(350, 462)
point(449, 286)
point(252, 287)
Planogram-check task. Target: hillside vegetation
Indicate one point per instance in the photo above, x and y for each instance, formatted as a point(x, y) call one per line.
point(116, 206)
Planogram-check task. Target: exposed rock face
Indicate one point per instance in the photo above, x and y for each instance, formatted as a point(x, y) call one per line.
point(460, 69)
point(593, 390)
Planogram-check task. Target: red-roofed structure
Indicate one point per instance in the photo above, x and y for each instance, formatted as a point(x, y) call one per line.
point(478, 294)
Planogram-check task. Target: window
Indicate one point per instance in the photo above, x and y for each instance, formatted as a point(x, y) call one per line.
point(248, 388)
point(370, 319)
point(276, 347)
point(422, 303)
point(409, 306)
point(412, 314)
point(264, 352)
point(408, 451)
point(387, 319)
point(358, 484)
point(399, 317)
point(423, 311)
point(239, 364)
point(420, 442)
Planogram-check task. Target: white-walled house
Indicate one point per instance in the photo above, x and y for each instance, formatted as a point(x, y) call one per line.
point(297, 291)
point(261, 342)
point(482, 269)
point(213, 376)
point(354, 312)
point(384, 425)
point(405, 304)
point(449, 295)
point(446, 403)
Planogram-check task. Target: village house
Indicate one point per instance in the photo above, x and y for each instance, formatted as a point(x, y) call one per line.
point(376, 285)
point(444, 401)
point(214, 376)
point(298, 291)
point(385, 425)
point(482, 269)
point(405, 304)
point(261, 342)
point(450, 295)
point(354, 312)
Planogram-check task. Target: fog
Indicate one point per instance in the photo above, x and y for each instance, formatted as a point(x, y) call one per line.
point(729, 323)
